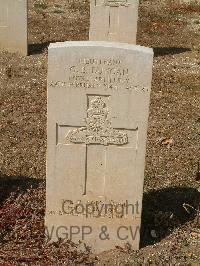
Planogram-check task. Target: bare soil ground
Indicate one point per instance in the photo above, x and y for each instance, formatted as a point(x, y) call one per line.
point(171, 219)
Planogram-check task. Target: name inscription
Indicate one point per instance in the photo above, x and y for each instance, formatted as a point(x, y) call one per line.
point(91, 73)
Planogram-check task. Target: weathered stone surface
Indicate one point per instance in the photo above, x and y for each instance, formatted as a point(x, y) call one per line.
point(98, 103)
point(189, 2)
point(112, 20)
point(13, 25)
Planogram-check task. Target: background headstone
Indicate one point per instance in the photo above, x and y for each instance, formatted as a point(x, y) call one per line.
point(13, 25)
point(112, 20)
point(98, 104)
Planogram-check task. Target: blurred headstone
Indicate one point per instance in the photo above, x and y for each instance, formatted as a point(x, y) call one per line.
point(13, 25)
point(113, 20)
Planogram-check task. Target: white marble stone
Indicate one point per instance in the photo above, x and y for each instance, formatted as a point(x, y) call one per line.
point(98, 105)
point(189, 2)
point(13, 26)
point(112, 20)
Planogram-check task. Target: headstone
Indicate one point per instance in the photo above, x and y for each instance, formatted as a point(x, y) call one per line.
point(13, 25)
point(113, 20)
point(197, 2)
point(98, 104)
point(186, 2)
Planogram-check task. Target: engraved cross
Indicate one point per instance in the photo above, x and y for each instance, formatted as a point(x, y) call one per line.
point(4, 17)
point(97, 135)
point(113, 15)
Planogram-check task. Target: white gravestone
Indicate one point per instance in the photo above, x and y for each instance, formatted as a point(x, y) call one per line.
point(113, 20)
point(98, 104)
point(13, 25)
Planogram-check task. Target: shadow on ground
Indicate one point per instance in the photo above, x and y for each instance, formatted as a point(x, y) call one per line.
point(16, 185)
point(163, 211)
point(161, 51)
point(38, 48)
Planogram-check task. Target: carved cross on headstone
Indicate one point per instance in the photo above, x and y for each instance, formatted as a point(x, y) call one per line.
point(4, 17)
point(97, 136)
point(114, 14)
point(113, 20)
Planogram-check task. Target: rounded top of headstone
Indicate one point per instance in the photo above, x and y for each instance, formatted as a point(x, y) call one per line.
point(104, 44)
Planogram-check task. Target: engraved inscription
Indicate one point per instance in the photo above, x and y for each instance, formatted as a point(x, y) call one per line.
point(94, 73)
point(116, 3)
point(98, 128)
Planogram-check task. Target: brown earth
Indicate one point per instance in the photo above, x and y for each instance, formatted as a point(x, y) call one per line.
point(171, 218)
